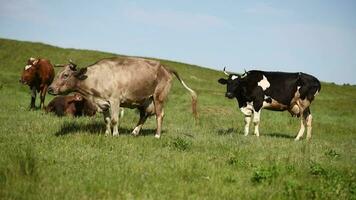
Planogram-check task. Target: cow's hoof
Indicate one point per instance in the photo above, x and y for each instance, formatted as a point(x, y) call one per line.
point(115, 134)
point(157, 136)
point(296, 139)
point(135, 132)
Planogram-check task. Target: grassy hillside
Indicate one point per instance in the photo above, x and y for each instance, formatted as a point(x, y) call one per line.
point(46, 157)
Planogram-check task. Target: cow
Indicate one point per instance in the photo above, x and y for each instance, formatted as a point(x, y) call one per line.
point(72, 105)
point(116, 82)
point(278, 91)
point(38, 74)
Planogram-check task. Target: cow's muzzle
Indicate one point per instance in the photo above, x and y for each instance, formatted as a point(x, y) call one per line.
point(229, 95)
point(51, 91)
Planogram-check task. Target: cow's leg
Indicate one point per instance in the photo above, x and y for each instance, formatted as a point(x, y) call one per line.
point(159, 118)
point(33, 97)
point(247, 124)
point(301, 130)
point(115, 109)
point(107, 119)
point(306, 120)
point(142, 120)
point(43, 96)
point(247, 111)
point(256, 121)
point(309, 118)
point(158, 99)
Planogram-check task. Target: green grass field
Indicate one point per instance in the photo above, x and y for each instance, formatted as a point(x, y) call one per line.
point(46, 157)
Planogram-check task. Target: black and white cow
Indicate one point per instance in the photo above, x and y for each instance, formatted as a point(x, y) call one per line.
point(278, 91)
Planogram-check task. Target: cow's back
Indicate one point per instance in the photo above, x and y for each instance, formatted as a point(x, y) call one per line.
point(133, 78)
point(283, 85)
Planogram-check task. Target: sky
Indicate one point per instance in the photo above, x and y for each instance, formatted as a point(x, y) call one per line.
point(312, 36)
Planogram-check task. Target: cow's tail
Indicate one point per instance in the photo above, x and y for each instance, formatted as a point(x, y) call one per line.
point(192, 93)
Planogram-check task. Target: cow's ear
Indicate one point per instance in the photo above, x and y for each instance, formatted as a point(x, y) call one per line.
point(81, 74)
point(222, 81)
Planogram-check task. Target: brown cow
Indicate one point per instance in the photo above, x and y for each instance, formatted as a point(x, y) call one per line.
point(38, 74)
point(72, 105)
point(122, 82)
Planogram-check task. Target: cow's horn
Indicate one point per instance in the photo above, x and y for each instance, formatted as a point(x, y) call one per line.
point(227, 74)
point(58, 65)
point(72, 64)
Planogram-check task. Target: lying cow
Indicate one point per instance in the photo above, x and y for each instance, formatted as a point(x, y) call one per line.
point(122, 82)
point(38, 74)
point(72, 105)
point(276, 91)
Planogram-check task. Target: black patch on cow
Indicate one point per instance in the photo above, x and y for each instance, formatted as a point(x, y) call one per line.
point(268, 100)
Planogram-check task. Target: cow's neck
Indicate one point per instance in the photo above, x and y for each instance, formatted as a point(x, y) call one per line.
point(241, 100)
point(80, 88)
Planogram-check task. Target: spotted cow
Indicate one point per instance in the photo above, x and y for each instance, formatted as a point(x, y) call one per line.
point(38, 74)
point(278, 91)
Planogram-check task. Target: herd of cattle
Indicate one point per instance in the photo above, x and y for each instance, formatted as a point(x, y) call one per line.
point(111, 84)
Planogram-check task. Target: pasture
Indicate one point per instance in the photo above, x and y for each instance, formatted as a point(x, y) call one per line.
point(46, 157)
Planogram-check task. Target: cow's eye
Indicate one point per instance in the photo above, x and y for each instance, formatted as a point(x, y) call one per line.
point(65, 76)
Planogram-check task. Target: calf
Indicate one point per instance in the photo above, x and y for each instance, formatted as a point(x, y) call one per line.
point(38, 74)
point(277, 91)
point(72, 105)
point(122, 82)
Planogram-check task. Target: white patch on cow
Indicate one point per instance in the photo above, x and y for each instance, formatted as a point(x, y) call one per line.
point(247, 124)
point(266, 105)
point(256, 122)
point(264, 84)
point(233, 77)
point(248, 109)
point(28, 67)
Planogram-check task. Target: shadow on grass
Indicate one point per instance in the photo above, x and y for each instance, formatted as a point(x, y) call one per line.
point(95, 128)
point(226, 131)
point(280, 135)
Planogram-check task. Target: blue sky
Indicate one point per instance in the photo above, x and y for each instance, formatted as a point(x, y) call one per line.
point(316, 37)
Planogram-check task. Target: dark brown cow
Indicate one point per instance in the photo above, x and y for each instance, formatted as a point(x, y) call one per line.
point(38, 74)
point(72, 105)
point(122, 82)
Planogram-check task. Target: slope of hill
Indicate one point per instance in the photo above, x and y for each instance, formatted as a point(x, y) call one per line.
point(46, 157)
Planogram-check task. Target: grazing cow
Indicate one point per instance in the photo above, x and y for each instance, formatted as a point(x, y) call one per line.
point(278, 91)
point(72, 105)
point(38, 74)
point(122, 82)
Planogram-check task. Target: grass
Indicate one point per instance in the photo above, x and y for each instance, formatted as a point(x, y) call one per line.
point(46, 157)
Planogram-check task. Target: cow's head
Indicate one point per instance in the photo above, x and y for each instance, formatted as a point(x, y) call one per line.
point(29, 71)
point(233, 84)
point(67, 80)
